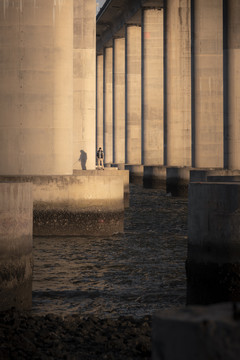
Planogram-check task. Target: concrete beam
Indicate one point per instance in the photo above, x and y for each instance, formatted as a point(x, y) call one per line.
point(116, 14)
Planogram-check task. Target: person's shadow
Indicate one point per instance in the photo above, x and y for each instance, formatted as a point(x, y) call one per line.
point(83, 159)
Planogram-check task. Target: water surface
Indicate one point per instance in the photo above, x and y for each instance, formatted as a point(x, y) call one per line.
point(135, 273)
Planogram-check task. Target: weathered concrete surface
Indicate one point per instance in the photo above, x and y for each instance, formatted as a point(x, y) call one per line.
point(84, 82)
point(16, 263)
point(226, 178)
point(124, 174)
point(36, 91)
point(213, 267)
point(233, 76)
point(153, 81)
point(99, 119)
point(76, 205)
point(133, 93)
point(178, 82)
point(197, 175)
point(208, 81)
point(119, 100)
point(199, 333)
point(108, 105)
point(155, 177)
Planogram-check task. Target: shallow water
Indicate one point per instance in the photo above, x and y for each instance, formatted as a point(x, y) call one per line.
point(135, 273)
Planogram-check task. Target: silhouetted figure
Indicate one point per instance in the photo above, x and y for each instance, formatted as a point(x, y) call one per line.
point(100, 158)
point(83, 159)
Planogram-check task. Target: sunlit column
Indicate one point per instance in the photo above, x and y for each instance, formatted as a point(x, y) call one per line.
point(208, 79)
point(119, 101)
point(84, 52)
point(108, 105)
point(99, 117)
point(36, 87)
point(233, 24)
point(153, 127)
point(178, 83)
point(133, 96)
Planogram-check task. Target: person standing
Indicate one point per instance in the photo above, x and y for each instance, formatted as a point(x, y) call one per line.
point(100, 158)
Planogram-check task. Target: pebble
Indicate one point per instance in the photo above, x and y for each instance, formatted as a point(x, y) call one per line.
point(25, 336)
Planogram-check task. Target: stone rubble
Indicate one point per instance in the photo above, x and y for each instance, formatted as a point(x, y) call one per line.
point(24, 336)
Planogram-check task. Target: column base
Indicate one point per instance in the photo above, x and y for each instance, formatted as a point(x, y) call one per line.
point(155, 177)
point(177, 180)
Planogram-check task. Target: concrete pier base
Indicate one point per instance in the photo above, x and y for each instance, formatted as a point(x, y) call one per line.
point(135, 173)
point(202, 174)
point(154, 177)
point(16, 262)
point(177, 180)
point(200, 333)
point(213, 266)
point(75, 205)
point(112, 171)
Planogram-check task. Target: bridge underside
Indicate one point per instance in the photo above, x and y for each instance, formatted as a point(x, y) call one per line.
point(168, 84)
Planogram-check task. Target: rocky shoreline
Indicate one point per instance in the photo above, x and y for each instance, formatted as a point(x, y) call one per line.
point(72, 337)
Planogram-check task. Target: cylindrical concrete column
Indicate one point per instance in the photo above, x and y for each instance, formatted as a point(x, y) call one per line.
point(16, 263)
point(178, 83)
point(99, 117)
point(108, 105)
point(119, 101)
point(213, 265)
point(152, 53)
point(208, 79)
point(133, 95)
point(233, 45)
point(84, 62)
point(36, 87)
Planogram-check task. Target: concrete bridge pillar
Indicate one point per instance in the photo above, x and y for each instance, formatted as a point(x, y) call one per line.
point(208, 83)
point(134, 95)
point(84, 79)
point(178, 83)
point(152, 57)
point(119, 101)
point(36, 87)
point(233, 47)
point(108, 105)
point(99, 120)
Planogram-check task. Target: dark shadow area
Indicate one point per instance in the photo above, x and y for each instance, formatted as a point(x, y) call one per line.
point(83, 159)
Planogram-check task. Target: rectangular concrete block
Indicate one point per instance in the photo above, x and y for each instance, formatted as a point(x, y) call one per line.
point(212, 265)
point(73, 205)
point(197, 333)
point(109, 171)
point(202, 174)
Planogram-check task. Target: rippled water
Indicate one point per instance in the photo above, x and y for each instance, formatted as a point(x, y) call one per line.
point(134, 273)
